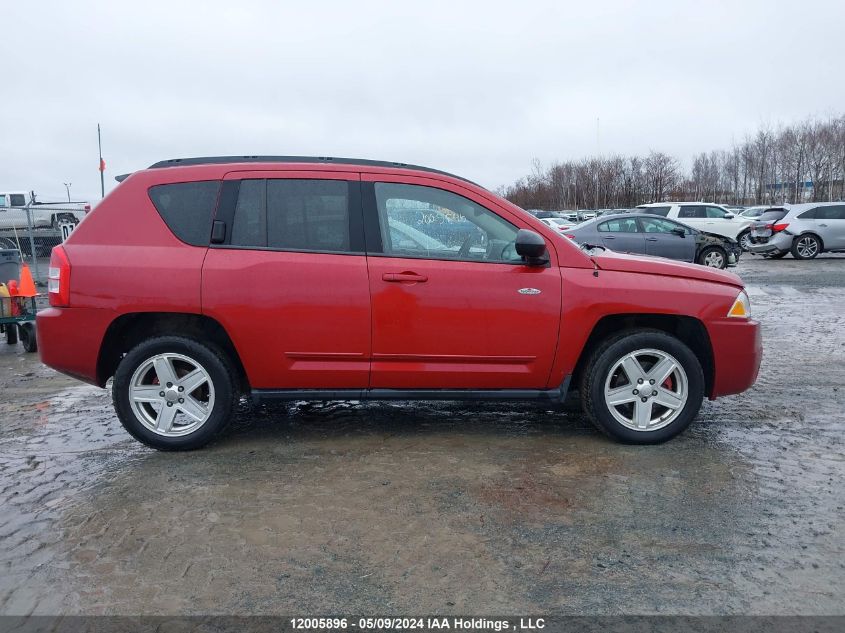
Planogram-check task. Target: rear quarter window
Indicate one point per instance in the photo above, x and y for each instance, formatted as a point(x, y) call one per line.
point(187, 208)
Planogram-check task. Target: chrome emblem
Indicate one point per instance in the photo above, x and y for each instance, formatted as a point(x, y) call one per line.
point(529, 291)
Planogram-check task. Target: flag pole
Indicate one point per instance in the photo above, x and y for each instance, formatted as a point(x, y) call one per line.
point(102, 180)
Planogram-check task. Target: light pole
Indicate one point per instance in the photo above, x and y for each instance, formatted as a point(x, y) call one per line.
point(67, 186)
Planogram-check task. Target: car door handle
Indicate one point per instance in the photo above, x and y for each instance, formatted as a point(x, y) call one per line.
point(407, 277)
point(609, 237)
point(651, 239)
point(824, 225)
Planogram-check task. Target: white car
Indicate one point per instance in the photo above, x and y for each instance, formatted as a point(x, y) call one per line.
point(49, 215)
point(704, 216)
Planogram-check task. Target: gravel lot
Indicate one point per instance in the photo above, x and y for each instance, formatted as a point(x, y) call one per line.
point(447, 508)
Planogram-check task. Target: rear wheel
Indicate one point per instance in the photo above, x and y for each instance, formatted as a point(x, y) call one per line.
point(806, 247)
point(642, 387)
point(714, 257)
point(26, 331)
point(174, 393)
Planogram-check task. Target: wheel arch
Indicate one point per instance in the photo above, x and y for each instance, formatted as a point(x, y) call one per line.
point(689, 330)
point(128, 330)
point(814, 234)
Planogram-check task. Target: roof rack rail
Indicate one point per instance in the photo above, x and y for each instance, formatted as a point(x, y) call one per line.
point(364, 162)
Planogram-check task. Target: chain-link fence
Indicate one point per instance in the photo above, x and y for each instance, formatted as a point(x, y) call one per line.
point(31, 232)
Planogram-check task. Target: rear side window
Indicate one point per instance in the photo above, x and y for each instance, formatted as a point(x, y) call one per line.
point(292, 215)
point(834, 212)
point(809, 215)
point(692, 212)
point(620, 225)
point(187, 208)
point(664, 211)
point(308, 215)
point(17, 200)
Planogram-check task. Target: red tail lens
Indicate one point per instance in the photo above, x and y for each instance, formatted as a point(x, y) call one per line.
point(570, 236)
point(777, 228)
point(58, 278)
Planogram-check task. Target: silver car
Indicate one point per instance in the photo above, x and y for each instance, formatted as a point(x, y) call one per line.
point(805, 230)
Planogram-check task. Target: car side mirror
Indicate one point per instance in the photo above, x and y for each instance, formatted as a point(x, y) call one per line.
point(679, 231)
point(729, 216)
point(531, 247)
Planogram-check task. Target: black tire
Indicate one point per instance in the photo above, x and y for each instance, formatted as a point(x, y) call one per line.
point(26, 331)
point(744, 235)
point(11, 334)
point(806, 246)
point(216, 364)
point(779, 255)
point(712, 252)
point(602, 361)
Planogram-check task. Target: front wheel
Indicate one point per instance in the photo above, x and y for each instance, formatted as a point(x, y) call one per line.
point(642, 387)
point(806, 247)
point(714, 257)
point(174, 393)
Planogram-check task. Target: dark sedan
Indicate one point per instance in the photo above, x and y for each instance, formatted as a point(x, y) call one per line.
point(646, 234)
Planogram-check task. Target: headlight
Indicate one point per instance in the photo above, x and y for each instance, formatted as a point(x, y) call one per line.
point(741, 308)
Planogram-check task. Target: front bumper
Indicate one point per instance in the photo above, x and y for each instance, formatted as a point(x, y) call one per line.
point(737, 353)
point(777, 243)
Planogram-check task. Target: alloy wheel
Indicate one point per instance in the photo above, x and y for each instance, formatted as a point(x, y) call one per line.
point(171, 394)
point(714, 259)
point(646, 390)
point(807, 247)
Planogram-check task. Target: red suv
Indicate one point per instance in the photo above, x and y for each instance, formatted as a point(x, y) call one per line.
point(199, 280)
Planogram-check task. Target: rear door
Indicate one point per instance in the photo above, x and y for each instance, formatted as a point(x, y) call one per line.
point(453, 306)
point(830, 220)
point(289, 279)
point(694, 215)
point(665, 238)
point(622, 235)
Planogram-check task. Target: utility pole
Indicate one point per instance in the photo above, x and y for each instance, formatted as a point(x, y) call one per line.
point(67, 186)
point(102, 164)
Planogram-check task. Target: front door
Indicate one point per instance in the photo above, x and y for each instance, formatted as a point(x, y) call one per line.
point(664, 238)
point(453, 306)
point(289, 281)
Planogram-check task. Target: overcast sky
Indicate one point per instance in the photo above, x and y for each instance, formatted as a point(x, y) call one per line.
point(476, 88)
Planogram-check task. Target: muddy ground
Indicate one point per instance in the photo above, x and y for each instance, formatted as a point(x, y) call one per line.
point(443, 508)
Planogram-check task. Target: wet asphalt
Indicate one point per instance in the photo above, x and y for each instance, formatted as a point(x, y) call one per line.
point(382, 508)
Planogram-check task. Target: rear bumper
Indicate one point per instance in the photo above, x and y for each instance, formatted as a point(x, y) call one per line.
point(737, 352)
point(777, 243)
point(69, 340)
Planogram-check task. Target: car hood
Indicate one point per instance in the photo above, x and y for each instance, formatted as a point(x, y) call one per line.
point(623, 262)
point(715, 237)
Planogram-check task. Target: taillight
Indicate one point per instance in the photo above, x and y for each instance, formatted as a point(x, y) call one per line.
point(87, 209)
point(777, 228)
point(570, 236)
point(58, 278)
